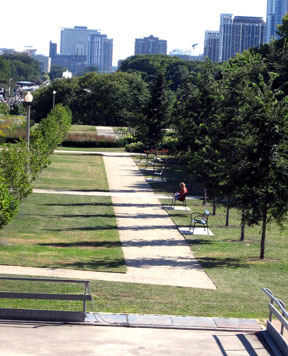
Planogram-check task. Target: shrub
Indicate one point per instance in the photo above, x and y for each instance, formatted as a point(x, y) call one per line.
point(4, 108)
point(135, 147)
point(9, 204)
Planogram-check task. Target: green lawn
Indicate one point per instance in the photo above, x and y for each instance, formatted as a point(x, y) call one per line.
point(68, 231)
point(80, 232)
point(74, 172)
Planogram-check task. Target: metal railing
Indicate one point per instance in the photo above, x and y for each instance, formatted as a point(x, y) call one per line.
point(277, 309)
point(50, 315)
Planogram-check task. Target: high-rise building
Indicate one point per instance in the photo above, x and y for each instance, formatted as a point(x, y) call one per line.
point(225, 42)
point(276, 10)
point(95, 48)
point(100, 53)
point(52, 49)
point(74, 41)
point(247, 32)
point(238, 34)
point(150, 45)
point(212, 45)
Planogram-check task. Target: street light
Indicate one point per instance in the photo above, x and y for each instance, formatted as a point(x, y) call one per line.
point(28, 100)
point(54, 95)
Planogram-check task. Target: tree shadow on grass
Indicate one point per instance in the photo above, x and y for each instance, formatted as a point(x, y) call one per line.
point(98, 265)
point(106, 204)
point(130, 228)
point(93, 244)
point(209, 262)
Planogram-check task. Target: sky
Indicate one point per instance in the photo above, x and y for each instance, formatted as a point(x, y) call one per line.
point(181, 22)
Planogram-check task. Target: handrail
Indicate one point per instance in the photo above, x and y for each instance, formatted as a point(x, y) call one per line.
point(279, 302)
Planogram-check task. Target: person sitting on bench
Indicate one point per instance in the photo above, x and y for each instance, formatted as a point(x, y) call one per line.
point(181, 195)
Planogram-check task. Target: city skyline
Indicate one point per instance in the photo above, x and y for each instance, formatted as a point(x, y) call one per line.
point(181, 25)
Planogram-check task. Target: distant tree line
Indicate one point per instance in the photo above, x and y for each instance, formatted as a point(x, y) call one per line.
point(19, 67)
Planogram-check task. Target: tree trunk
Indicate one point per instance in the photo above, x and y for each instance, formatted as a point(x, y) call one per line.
point(205, 195)
point(227, 211)
point(242, 236)
point(263, 237)
point(214, 205)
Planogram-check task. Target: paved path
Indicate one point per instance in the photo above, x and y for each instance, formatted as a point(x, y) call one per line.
point(106, 131)
point(155, 252)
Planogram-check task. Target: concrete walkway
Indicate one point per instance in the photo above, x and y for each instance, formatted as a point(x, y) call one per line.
point(155, 252)
point(44, 339)
point(106, 131)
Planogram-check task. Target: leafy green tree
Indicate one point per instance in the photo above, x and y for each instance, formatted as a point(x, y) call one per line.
point(177, 70)
point(151, 129)
point(197, 126)
point(9, 204)
point(56, 71)
point(14, 163)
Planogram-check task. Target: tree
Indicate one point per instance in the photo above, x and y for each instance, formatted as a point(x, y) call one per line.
point(254, 150)
point(56, 71)
point(197, 126)
point(150, 130)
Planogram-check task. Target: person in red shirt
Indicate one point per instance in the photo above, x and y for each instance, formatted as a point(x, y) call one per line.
point(181, 195)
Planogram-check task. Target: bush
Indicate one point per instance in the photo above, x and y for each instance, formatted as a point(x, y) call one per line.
point(135, 147)
point(9, 204)
point(4, 108)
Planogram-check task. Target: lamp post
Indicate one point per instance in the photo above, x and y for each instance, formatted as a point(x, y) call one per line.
point(54, 95)
point(28, 100)
point(9, 87)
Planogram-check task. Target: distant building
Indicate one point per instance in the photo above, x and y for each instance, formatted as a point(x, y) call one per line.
point(276, 10)
point(52, 49)
point(74, 41)
point(247, 32)
point(74, 64)
point(225, 43)
point(238, 34)
point(45, 63)
point(150, 45)
point(100, 51)
point(212, 45)
point(89, 46)
point(185, 55)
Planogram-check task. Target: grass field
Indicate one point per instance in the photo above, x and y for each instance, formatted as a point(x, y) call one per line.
point(54, 230)
point(63, 230)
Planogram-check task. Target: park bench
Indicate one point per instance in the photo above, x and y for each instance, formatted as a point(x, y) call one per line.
point(200, 220)
point(45, 315)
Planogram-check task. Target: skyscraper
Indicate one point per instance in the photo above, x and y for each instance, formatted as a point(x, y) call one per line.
point(276, 10)
point(150, 45)
point(238, 34)
point(95, 48)
point(74, 41)
point(100, 51)
point(247, 32)
point(225, 43)
point(212, 45)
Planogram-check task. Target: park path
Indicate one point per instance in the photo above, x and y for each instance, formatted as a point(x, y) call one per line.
point(154, 250)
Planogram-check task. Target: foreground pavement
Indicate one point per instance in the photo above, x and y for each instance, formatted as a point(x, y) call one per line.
point(35, 339)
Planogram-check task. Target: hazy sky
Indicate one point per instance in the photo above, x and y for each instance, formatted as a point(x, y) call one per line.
point(180, 22)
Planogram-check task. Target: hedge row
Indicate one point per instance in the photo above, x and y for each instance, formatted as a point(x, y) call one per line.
point(18, 167)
